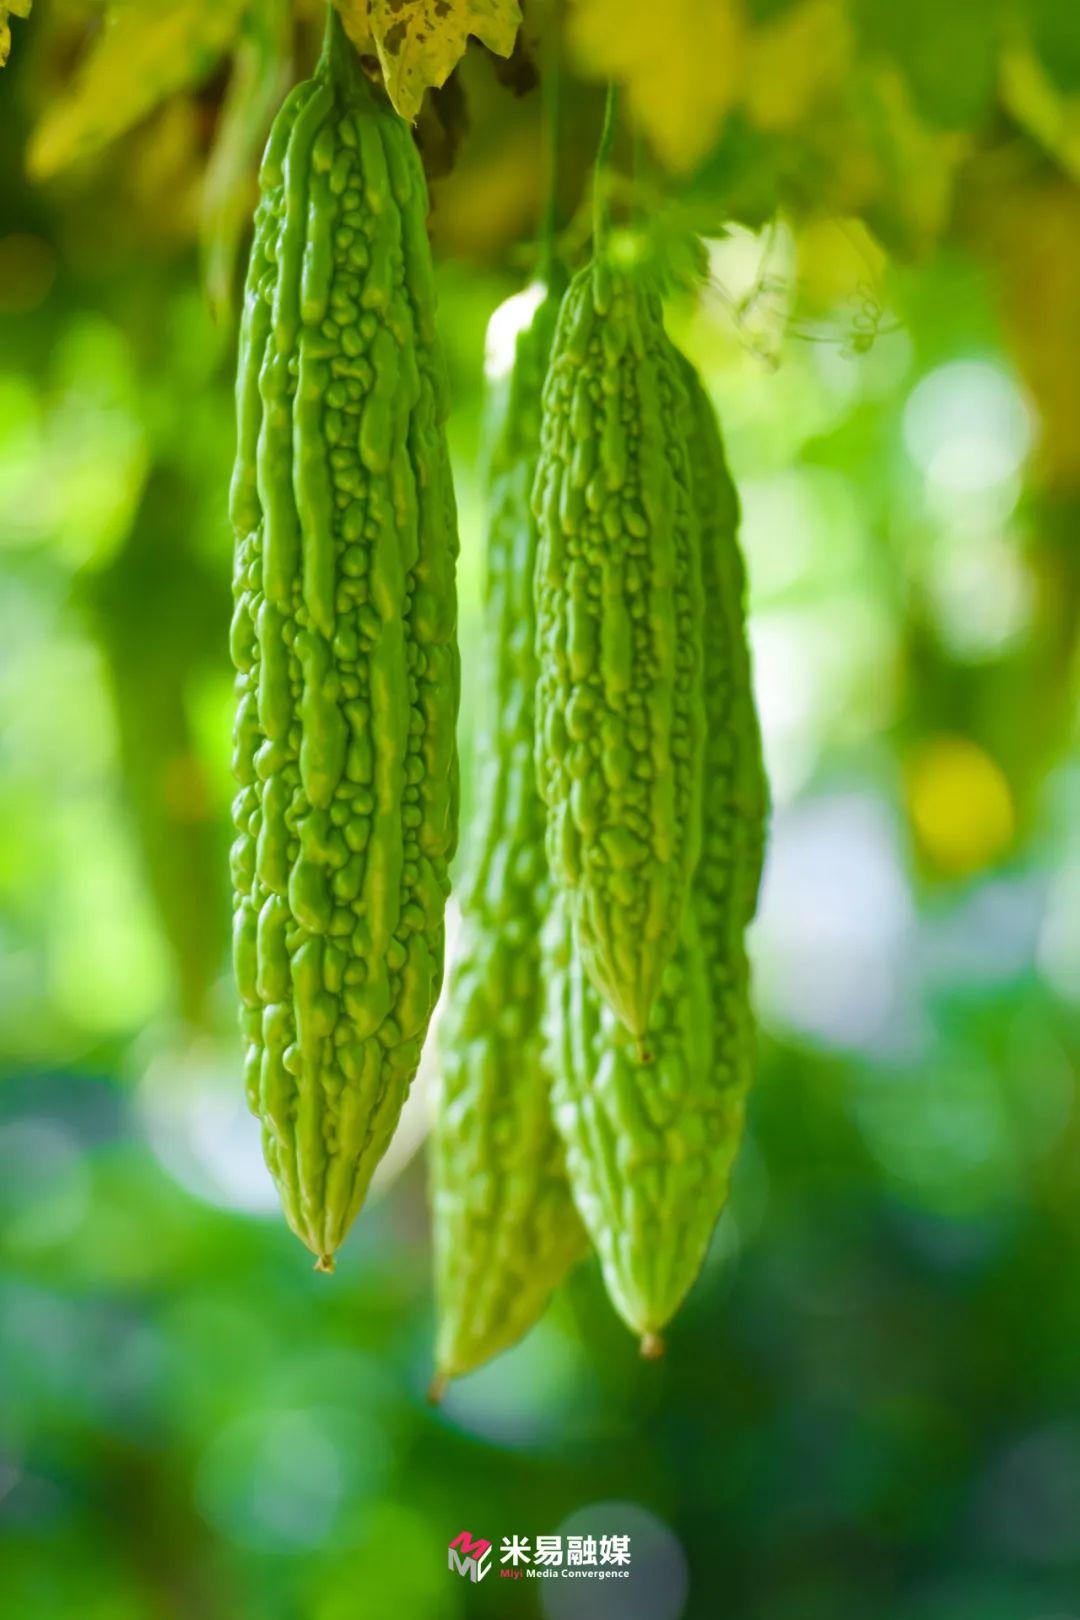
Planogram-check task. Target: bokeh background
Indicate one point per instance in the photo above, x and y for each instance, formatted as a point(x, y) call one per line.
point(870, 1403)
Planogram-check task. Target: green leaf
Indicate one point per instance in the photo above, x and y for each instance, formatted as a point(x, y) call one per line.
point(1039, 106)
point(947, 52)
point(1054, 26)
point(144, 54)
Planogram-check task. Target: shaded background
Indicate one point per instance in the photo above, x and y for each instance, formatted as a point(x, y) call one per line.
point(870, 1401)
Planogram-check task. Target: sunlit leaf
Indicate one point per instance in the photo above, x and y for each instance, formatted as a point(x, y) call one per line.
point(258, 83)
point(357, 24)
point(795, 61)
point(917, 164)
point(680, 64)
point(1040, 106)
point(420, 42)
point(143, 55)
point(13, 8)
point(839, 262)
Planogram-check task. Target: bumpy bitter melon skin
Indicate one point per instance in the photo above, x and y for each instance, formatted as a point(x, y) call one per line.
point(505, 1227)
point(646, 1141)
point(344, 639)
point(650, 1145)
point(620, 721)
point(735, 819)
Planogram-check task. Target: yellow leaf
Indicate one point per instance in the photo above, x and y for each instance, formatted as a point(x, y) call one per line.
point(420, 42)
point(795, 61)
point(918, 164)
point(357, 24)
point(143, 55)
point(681, 65)
point(839, 261)
point(13, 8)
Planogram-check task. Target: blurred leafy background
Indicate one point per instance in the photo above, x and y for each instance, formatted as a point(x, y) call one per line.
point(871, 1402)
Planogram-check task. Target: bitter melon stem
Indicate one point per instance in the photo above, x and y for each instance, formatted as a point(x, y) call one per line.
point(550, 113)
point(333, 35)
point(338, 61)
point(602, 170)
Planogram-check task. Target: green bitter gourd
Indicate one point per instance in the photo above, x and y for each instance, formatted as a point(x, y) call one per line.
point(505, 1227)
point(344, 636)
point(650, 1145)
point(620, 722)
point(734, 814)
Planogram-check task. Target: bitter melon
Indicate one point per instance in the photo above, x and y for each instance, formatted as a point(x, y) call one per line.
point(650, 1145)
point(344, 638)
point(733, 850)
point(620, 722)
point(504, 1224)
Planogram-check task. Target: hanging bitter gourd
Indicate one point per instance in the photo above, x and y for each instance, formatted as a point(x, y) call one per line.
point(620, 720)
point(344, 639)
point(735, 814)
point(645, 1139)
point(505, 1228)
point(650, 1145)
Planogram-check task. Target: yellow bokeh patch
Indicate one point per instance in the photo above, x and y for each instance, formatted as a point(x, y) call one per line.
point(682, 65)
point(960, 805)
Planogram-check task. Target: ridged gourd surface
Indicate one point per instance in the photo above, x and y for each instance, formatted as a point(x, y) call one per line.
point(736, 800)
point(620, 720)
point(505, 1227)
point(650, 1145)
point(344, 639)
